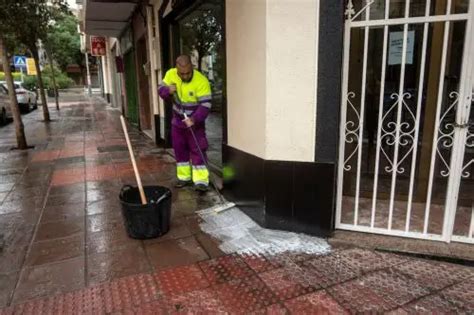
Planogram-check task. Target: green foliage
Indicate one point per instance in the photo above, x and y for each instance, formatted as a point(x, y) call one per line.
point(16, 76)
point(64, 42)
point(62, 80)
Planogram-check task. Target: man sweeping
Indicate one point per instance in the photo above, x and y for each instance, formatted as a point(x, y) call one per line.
point(191, 94)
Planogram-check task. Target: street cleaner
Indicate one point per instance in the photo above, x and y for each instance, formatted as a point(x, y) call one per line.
point(190, 92)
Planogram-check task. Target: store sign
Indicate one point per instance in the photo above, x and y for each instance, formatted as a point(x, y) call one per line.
point(396, 48)
point(98, 46)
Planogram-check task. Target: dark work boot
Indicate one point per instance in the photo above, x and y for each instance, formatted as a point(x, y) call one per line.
point(201, 188)
point(182, 183)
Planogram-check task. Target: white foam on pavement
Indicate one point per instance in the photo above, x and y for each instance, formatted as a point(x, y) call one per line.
point(240, 234)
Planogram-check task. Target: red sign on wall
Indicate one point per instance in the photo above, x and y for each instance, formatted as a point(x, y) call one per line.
point(97, 46)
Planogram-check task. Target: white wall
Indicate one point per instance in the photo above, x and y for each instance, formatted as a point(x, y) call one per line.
point(246, 75)
point(271, 77)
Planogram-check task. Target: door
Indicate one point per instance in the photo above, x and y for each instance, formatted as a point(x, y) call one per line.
point(131, 87)
point(405, 153)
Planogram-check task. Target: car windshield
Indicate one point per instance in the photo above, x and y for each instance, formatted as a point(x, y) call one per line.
point(17, 86)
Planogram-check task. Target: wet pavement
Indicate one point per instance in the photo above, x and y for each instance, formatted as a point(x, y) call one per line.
point(64, 248)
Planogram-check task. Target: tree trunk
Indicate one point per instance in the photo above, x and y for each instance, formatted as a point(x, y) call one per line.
point(200, 56)
point(19, 127)
point(53, 76)
point(34, 52)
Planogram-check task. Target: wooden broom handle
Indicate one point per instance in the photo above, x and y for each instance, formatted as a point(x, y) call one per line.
point(132, 157)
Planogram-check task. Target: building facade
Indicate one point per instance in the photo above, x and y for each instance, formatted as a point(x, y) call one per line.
point(352, 115)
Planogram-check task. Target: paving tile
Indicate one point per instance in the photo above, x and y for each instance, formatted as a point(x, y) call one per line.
point(288, 283)
point(192, 222)
point(59, 229)
point(314, 303)
point(178, 229)
point(259, 263)
point(446, 274)
point(394, 288)
point(71, 198)
point(109, 241)
point(55, 250)
point(275, 309)
point(210, 245)
point(174, 253)
point(328, 270)
point(356, 297)
point(196, 302)
point(63, 212)
point(362, 260)
point(226, 268)
point(66, 189)
point(50, 279)
point(461, 295)
point(104, 222)
point(181, 279)
point(115, 264)
point(111, 204)
point(245, 295)
point(7, 286)
point(433, 304)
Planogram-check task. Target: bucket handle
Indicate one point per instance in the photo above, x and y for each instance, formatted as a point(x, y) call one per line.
point(124, 189)
point(165, 195)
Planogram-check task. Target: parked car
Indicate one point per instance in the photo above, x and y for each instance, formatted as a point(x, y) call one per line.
point(26, 99)
point(5, 112)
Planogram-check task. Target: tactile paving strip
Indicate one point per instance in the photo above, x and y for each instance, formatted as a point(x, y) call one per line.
point(180, 280)
point(362, 261)
point(257, 262)
point(110, 297)
point(225, 268)
point(461, 295)
point(314, 303)
point(328, 270)
point(446, 274)
point(196, 302)
point(288, 283)
point(394, 288)
point(245, 295)
point(433, 304)
point(358, 298)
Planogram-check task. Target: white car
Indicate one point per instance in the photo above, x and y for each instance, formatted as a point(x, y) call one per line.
point(26, 99)
point(5, 112)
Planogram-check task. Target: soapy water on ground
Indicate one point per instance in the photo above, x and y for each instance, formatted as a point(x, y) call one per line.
point(240, 234)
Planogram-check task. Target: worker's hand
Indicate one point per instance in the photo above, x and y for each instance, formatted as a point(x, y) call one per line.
point(172, 88)
point(189, 122)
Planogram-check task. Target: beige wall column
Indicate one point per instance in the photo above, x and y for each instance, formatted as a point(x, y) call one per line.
point(271, 77)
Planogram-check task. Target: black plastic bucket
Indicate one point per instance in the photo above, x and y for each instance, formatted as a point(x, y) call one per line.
point(150, 220)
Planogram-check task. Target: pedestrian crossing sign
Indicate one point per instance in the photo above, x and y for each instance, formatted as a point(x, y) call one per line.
point(19, 61)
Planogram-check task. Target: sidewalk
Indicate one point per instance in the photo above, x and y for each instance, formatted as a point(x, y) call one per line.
point(65, 249)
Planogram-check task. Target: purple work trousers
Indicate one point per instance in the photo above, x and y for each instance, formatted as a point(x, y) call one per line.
point(184, 146)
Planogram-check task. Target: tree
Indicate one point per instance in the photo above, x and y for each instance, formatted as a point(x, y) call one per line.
point(64, 41)
point(202, 32)
point(31, 23)
point(7, 15)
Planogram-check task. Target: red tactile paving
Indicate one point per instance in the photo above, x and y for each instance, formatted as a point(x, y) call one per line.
point(446, 274)
point(394, 288)
point(328, 270)
point(196, 302)
point(245, 295)
point(461, 295)
point(275, 309)
point(363, 261)
point(225, 268)
point(288, 283)
point(258, 262)
point(180, 280)
point(358, 298)
point(110, 297)
point(433, 304)
point(314, 303)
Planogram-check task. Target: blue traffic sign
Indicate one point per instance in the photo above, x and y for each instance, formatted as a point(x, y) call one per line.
point(19, 61)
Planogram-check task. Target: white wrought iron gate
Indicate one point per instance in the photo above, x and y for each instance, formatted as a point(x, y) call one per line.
point(407, 129)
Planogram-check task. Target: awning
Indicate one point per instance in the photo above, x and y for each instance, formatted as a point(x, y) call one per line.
point(107, 17)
